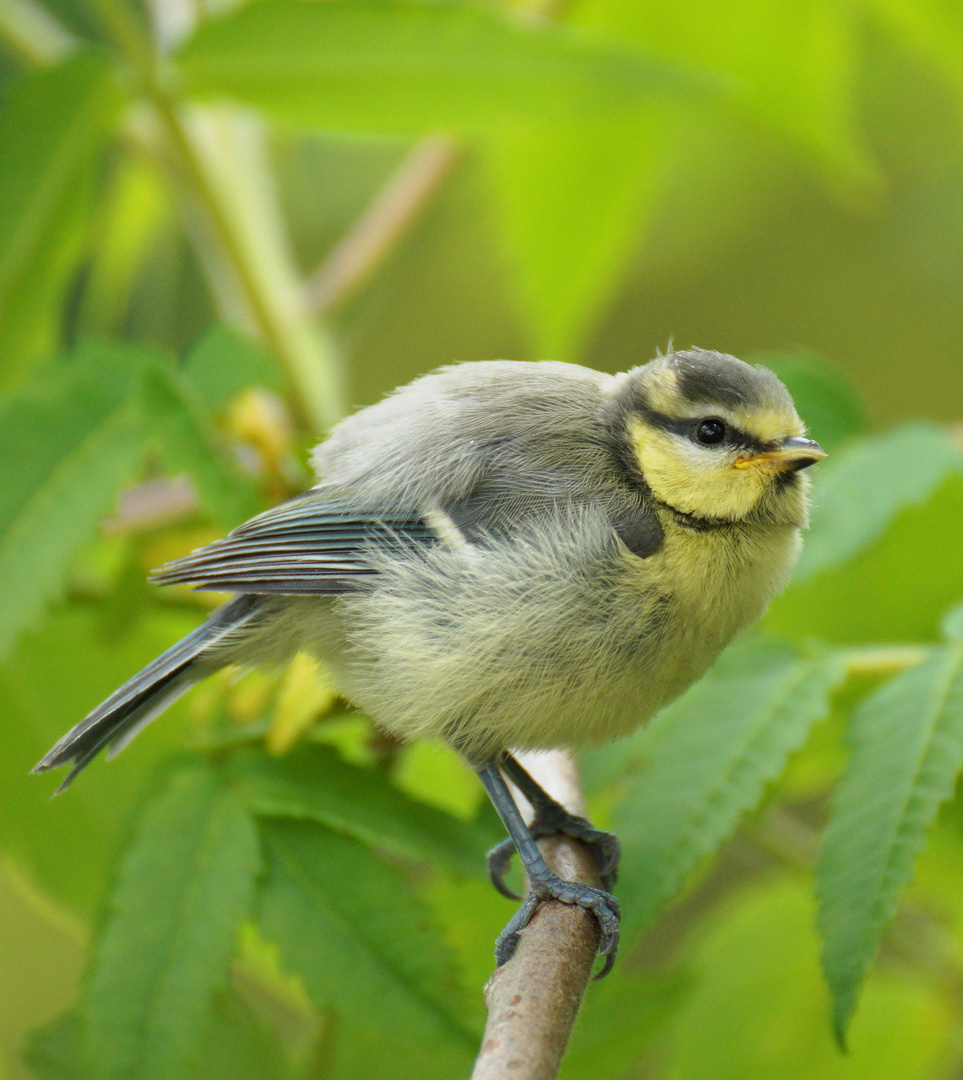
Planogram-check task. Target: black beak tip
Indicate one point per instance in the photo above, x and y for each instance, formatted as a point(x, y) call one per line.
point(800, 446)
point(802, 463)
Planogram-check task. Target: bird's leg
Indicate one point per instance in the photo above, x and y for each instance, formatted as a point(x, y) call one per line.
point(551, 817)
point(544, 883)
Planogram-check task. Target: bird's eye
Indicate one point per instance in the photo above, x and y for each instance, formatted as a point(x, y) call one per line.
point(711, 431)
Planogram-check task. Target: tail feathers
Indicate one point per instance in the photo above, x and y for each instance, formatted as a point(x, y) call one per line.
point(130, 709)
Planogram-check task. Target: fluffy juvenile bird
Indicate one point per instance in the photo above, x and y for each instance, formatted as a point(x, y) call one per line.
point(509, 556)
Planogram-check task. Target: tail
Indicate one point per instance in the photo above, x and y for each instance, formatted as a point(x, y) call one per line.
point(130, 709)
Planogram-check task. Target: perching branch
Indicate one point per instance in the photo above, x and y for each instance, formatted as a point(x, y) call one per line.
point(533, 1000)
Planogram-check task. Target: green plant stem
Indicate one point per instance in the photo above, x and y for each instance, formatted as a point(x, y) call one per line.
point(307, 356)
point(273, 299)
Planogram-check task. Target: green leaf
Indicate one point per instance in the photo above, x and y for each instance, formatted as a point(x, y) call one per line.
point(907, 753)
point(68, 441)
point(53, 679)
point(235, 1046)
point(896, 590)
point(858, 494)
point(412, 67)
point(52, 1052)
point(619, 1022)
point(134, 213)
point(222, 364)
point(314, 783)
point(826, 400)
point(184, 887)
point(572, 202)
point(52, 124)
point(176, 419)
point(347, 924)
point(758, 1006)
point(793, 66)
point(932, 29)
point(707, 759)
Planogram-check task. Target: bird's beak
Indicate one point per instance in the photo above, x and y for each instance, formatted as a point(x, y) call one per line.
point(794, 454)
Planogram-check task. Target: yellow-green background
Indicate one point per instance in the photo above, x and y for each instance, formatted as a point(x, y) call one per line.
point(811, 197)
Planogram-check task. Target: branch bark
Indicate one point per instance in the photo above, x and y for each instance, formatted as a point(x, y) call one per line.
point(381, 226)
point(533, 1000)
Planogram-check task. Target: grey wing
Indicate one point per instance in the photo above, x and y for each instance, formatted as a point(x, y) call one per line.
point(502, 503)
point(313, 543)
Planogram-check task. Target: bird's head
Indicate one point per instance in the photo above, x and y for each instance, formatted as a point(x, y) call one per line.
point(714, 438)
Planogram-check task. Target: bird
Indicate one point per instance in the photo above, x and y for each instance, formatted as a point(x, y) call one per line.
point(509, 556)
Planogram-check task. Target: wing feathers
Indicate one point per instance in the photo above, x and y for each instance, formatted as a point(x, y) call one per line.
point(309, 544)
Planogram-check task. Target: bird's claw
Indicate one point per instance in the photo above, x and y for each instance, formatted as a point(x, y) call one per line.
point(604, 846)
point(602, 904)
point(499, 863)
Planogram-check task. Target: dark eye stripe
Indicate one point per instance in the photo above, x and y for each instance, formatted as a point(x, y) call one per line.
point(688, 428)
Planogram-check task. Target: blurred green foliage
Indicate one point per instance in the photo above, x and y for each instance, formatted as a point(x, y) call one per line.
point(222, 224)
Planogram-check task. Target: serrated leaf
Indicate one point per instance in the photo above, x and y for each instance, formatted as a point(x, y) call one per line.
point(68, 441)
point(314, 783)
point(175, 418)
point(828, 403)
point(412, 67)
point(56, 675)
point(572, 201)
point(858, 494)
point(907, 753)
point(347, 924)
point(52, 124)
point(707, 759)
point(184, 887)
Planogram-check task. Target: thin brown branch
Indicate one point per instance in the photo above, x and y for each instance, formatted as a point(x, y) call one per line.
point(153, 504)
point(381, 226)
point(533, 1000)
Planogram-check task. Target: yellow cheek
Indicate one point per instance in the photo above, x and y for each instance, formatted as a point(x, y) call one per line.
point(687, 484)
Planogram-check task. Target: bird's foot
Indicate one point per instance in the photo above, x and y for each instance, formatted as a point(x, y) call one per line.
point(603, 906)
point(548, 821)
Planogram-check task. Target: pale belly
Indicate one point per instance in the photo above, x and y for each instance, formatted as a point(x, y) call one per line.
point(511, 649)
